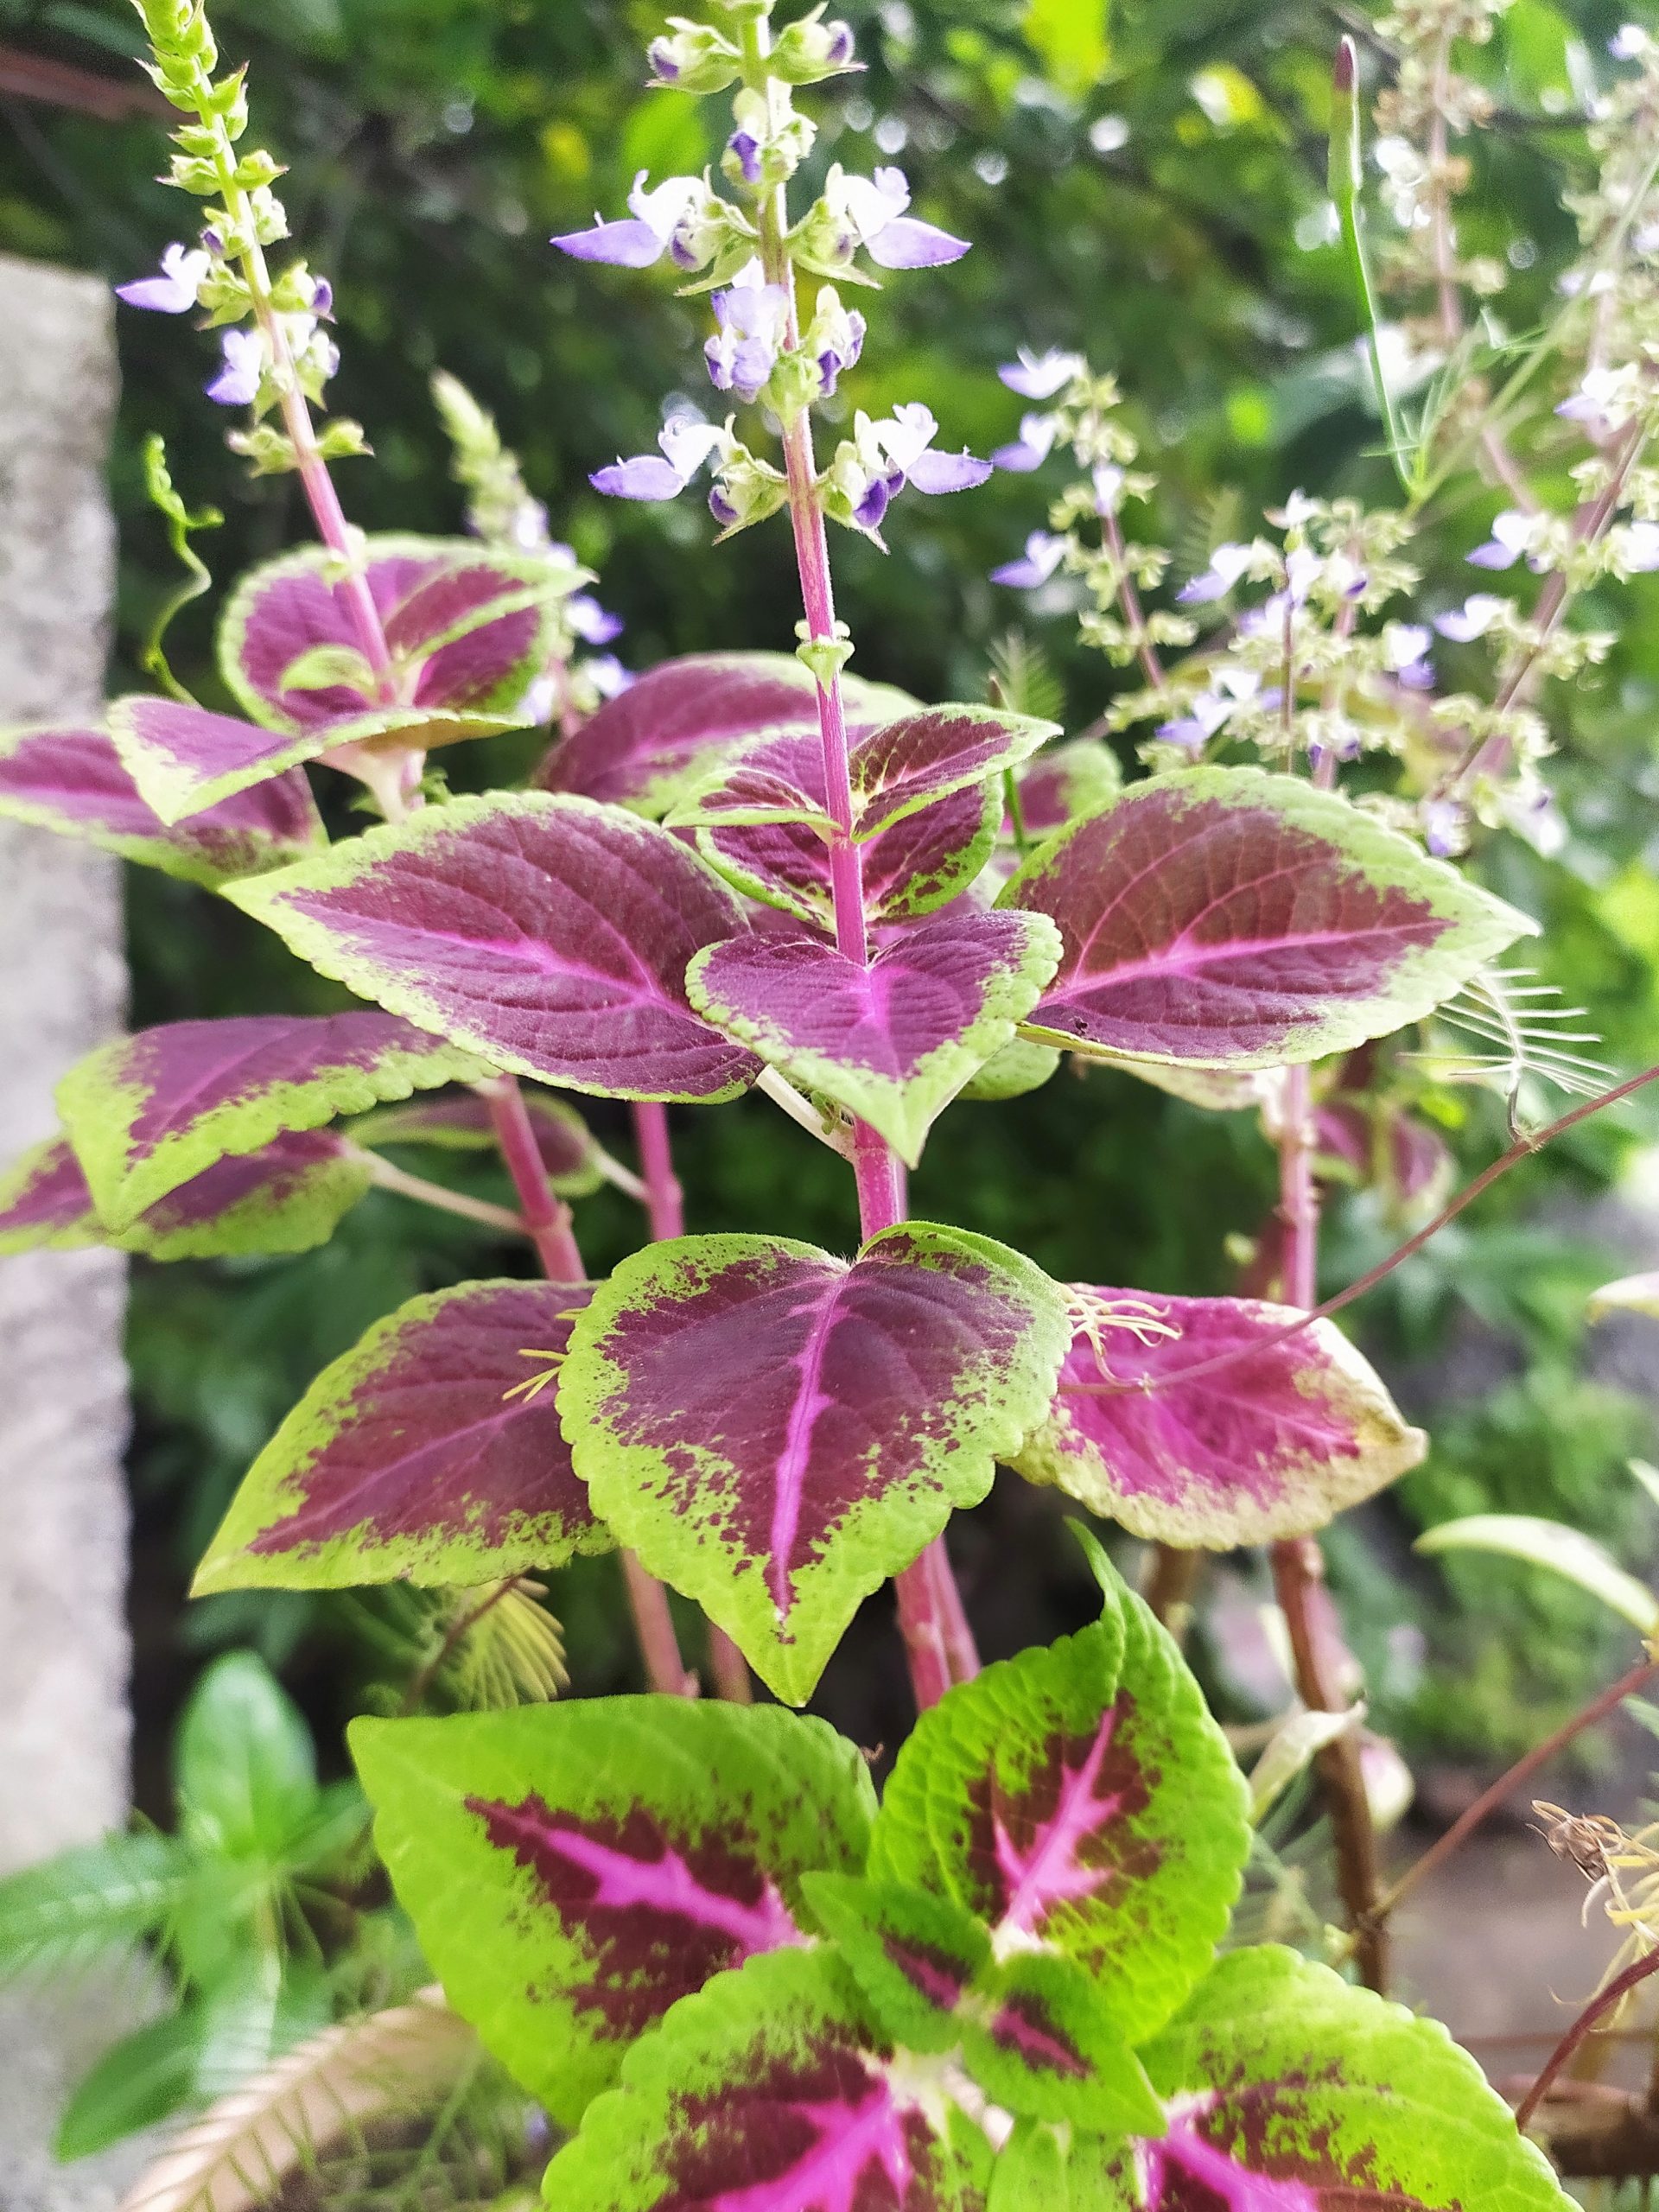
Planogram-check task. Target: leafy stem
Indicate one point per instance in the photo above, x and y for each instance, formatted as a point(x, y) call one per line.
point(937, 1636)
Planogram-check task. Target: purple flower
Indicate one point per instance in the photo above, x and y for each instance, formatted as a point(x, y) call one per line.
point(1512, 533)
point(1109, 484)
point(752, 317)
point(1472, 620)
point(687, 443)
point(871, 214)
point(1405, 654)
point(1039, 376)
point(1628, 42)
point(673, 219)
point(174, 291)
point(1446, 827)
point(1032, 448)
point(1043, 555)
point(242, 370)
point(1638, 548)
point(593, 624)
point(1227, 564)
point(907, 439)
point(322, 298)
point(745, 149)
point(607, 675)
point(839, 352)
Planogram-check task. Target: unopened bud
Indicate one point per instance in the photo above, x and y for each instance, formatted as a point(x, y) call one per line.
point(810, 50)
point(694, 58)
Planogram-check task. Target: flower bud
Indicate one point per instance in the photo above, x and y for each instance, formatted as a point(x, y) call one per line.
point(810, 50)
point(833, 339)
point(764, 151)
point(746, 489)
point(694, 58)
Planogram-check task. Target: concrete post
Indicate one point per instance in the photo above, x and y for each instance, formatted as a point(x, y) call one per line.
point(64, 1724)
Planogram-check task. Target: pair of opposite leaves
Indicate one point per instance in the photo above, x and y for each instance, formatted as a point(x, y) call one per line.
point(998, 1988)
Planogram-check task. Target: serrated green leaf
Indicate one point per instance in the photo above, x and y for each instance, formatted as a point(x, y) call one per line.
point(1079, 1800)
point(776, 1432)
point(1287, 2089)
point(772, 2091)
point(573, 1870)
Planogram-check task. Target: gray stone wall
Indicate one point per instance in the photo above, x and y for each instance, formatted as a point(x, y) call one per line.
point(63, 1405)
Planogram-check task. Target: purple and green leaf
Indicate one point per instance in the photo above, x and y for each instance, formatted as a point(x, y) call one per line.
point(69, 778)
point(919, 865)
point(431, 1454)
point(1080, 1802)
point(184, 760)
point(893, 1042)
point(467, 628)
point(647, 748)
point(895, 770)
point(1273, 1444)
point(773, 2093)
point(1030, 2032)
point(288, 1197)
point(572, 1871)
point(550, 935)
point(1285, 2089)
point(775, 1431)
point(1238, 920)
point(147, 1112)
point(460, 1121)
point(1065, 781)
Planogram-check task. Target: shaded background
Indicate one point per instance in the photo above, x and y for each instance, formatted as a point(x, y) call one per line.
point(1146, 184)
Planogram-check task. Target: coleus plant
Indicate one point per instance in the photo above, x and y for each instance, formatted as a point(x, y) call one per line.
point(758, 872)
point(746, 1986)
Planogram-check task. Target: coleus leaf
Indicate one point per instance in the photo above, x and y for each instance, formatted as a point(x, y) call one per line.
point(648, 746)
point(894, 770)
point(1030, 2032)
point(572, 1871)
point(467, 628)
point(69, 778)
point(1275, 1444)
point(927, 803)
point(920, 864)
point(551, 935)
point(146, 1113)
point(431, 1453)
point(1285, 2089)
point(1065, 781)
point(1080, 1802)
point(185, 759)
point(459, 1121)
point(1238, 920)
point(775, 1431)
point(893, 1042)
point(287, 1197)
point(771, 2092)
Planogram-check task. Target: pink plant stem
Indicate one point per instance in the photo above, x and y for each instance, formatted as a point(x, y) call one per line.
point(547, 1218)
point(664, 1200)
point(1318, 1659)
point(665, 1670)
point(666, 1205)
point(938, 1638)
point(1604, 2000)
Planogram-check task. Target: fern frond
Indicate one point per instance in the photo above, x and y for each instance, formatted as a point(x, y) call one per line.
point(98, 1898)
point(1023, 679)
point(510, 1650)
point(233, 2159)
point(1519, 1030)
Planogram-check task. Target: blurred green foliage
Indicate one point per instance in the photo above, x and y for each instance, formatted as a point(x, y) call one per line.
point(1143, 181)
